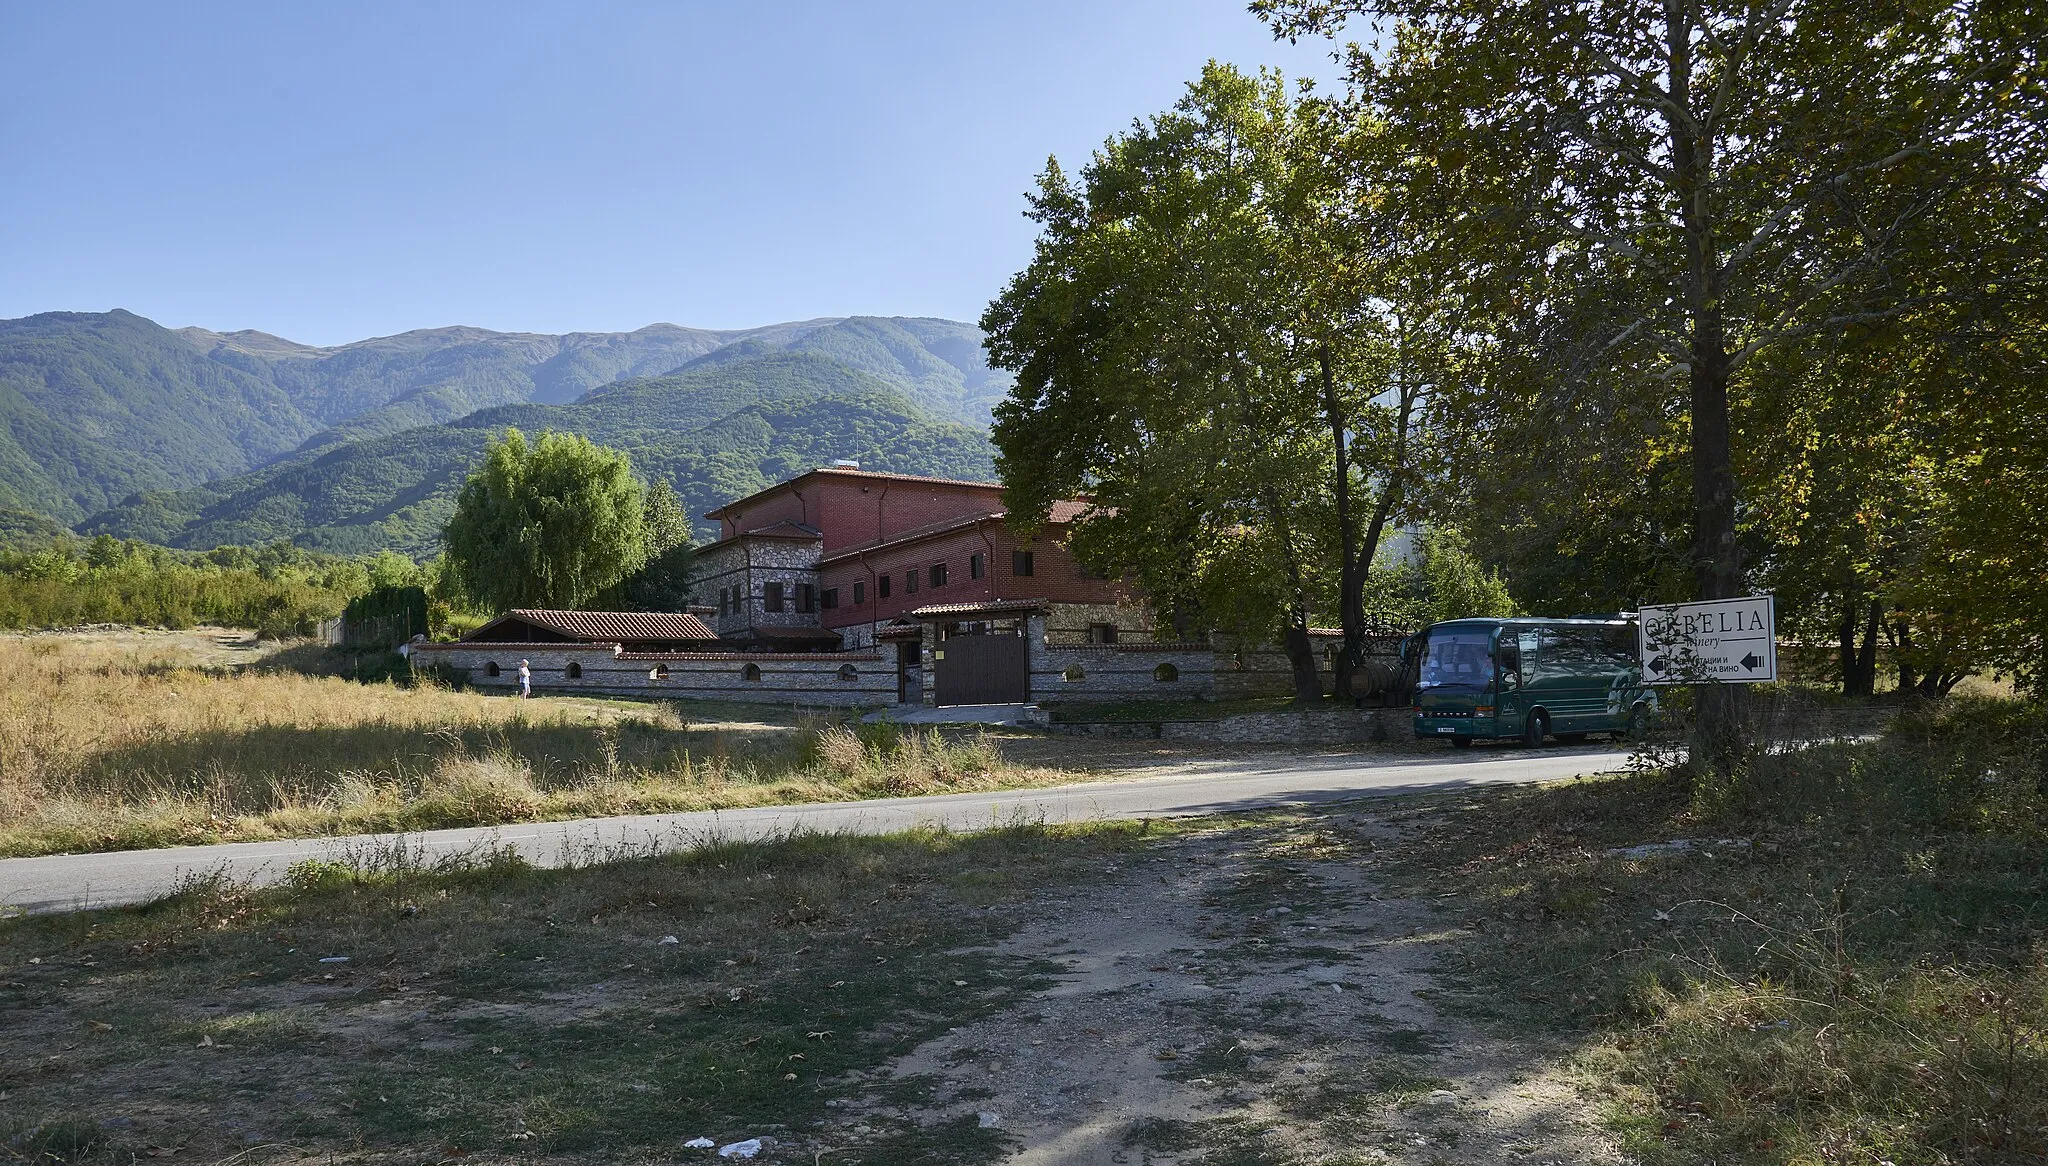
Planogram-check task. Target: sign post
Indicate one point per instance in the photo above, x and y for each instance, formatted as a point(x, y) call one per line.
point(1715, 641)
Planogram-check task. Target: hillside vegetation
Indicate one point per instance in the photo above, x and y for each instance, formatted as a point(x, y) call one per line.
point(109, 411)
point(716, 431)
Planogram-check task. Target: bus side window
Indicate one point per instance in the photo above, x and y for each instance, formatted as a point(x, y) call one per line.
point(1532, 653)
point(1510, 663)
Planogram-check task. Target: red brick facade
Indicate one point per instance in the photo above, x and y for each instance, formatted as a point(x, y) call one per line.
point(899, 528)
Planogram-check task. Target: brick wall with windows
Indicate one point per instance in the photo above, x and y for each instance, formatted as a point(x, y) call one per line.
point(854, 507)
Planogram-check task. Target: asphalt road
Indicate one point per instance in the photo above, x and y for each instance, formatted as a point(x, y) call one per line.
point(82, 881)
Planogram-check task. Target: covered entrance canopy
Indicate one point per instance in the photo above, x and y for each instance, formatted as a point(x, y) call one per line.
point(983, 653)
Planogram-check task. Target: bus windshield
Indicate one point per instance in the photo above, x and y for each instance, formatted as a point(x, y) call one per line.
point(1453, 657)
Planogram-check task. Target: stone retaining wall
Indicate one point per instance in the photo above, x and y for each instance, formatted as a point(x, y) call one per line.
point(837, 679)
point(1319, 727)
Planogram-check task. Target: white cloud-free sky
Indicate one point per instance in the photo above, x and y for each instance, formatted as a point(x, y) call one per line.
point(331, 172)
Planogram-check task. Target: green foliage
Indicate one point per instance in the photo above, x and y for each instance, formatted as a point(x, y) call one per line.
point(553, 524)
point(386, 615)
point(667, 526)
point(1445, 580)
point(277, 592)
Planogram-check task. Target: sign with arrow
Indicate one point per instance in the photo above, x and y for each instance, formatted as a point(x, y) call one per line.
point(1714, 641)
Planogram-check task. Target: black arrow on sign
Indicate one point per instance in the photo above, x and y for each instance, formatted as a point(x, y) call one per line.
point(1752, 662)
point(1657, 665)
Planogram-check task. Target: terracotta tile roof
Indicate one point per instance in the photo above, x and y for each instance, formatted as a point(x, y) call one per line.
point(611, 626)
point(842, 471)
point(755, 657)
point(1062, 514)
point(985, 607)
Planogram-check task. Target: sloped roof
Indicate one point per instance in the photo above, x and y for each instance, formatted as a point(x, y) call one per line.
point(609, 626)
point(842, 471)
point(787, 528)
point(985, 607)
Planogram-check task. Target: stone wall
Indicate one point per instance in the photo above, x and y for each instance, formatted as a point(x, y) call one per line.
point(1066, 624)
point(808, 679)
point(1113, 672)
point(1317, 727)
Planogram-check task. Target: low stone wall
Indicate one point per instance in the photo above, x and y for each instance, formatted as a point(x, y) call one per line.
point(1318, 727)
point(834, 679)
point(1111, 672)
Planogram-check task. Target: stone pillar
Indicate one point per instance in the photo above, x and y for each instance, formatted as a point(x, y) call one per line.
point(928, 693)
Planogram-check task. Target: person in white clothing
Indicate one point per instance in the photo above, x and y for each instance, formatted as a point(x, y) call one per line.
point(525, 681)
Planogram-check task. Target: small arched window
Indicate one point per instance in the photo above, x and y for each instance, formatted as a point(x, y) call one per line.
point(574, 671)
point(1073, 674)
point(751, 674)
point(1165, 673)
point(491, 668)
point(848, 672)
point(658, 672)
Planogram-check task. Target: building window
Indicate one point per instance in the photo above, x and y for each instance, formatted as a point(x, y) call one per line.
point(938, 574)
point(977, 566)
point(829, 598)
point(1021, 564)
point(806, 597)
point(882, 583)
point(910, 581)
point(658, 672)
point(860, 592)
point(1102, 633)
point(1165, 673)
point(491, 668)
point(771, 597)
point(751, 674)
point(848, 672)
point(574, 671)
point(1073, 674)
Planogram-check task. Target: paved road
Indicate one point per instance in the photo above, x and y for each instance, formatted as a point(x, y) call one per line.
point(80, 881)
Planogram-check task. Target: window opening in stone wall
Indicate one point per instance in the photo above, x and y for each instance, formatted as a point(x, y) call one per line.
point(977, 566)
point(910, 581)
point(806, 597)
point(1073, 674)
point(771, 597)
point(751, 674)
point(938, 574)
point(860, 592)
point(882, 584)
point(574, 671)
point(1165, 673)
point(491, 668)
point(1102, 633)
point(828, 599)
point(1020, 563)
point(658, 672)
point(848, 672)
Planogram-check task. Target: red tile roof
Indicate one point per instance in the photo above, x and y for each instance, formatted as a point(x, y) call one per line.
point(784, 529)
point(844, 472)
point(985, 607)
point(612, 626)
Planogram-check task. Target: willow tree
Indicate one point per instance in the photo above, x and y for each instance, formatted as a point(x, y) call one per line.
point(552, 523)
point(1202, 344)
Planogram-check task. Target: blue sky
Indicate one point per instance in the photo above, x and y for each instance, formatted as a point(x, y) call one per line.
point(330, 172)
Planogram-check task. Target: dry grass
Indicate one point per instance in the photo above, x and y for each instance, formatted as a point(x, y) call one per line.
point(113, 745)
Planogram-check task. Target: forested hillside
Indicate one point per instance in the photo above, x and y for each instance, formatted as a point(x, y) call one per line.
point(198, 437)
point(715, 431)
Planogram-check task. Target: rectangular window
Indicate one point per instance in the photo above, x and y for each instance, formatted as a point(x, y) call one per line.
point(806, 597)
point(771, 597)
point(938, 574)
point(860, 592)
point(829, 598)
point(910, 581)
point(1102, 633)
point(725, 601)
point(977, 566)
point(882, 583)
point(1020, 563)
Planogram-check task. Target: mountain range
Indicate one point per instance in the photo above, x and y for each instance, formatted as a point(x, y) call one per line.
point(193, 438)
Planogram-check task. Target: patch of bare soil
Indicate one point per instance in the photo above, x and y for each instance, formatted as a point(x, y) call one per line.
point(197, 647)
point(1243, 996)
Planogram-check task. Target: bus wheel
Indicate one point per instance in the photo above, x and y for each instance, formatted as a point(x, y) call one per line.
point(1638, 723)
point(1534, 729)
point(1461, 742)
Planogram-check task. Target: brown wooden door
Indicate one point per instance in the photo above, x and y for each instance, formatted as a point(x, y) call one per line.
point(982, 670)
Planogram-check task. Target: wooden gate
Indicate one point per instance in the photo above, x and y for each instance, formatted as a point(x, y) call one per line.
point(982, 670)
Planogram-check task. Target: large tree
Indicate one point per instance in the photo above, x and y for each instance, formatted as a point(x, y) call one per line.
point(1662, 193)
point(553, 523)
point(1208, 341)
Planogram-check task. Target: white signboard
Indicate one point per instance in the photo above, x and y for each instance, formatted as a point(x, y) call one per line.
point(1715, 641)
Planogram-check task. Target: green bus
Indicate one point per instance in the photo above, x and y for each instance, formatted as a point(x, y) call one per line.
point(1525, 679)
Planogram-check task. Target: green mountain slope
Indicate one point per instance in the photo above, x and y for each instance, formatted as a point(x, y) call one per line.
point(716, 431)
point(96, 406)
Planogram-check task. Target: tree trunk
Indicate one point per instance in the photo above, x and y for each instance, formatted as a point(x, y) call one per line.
point(1717, 556)
point(1866, 658)
point(1845, 652)
point(1350, 572)
point(1301, 656)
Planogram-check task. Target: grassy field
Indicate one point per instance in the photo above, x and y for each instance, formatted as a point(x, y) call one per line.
point(500, 1013)
point(1848, 963)
point(114, 744)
